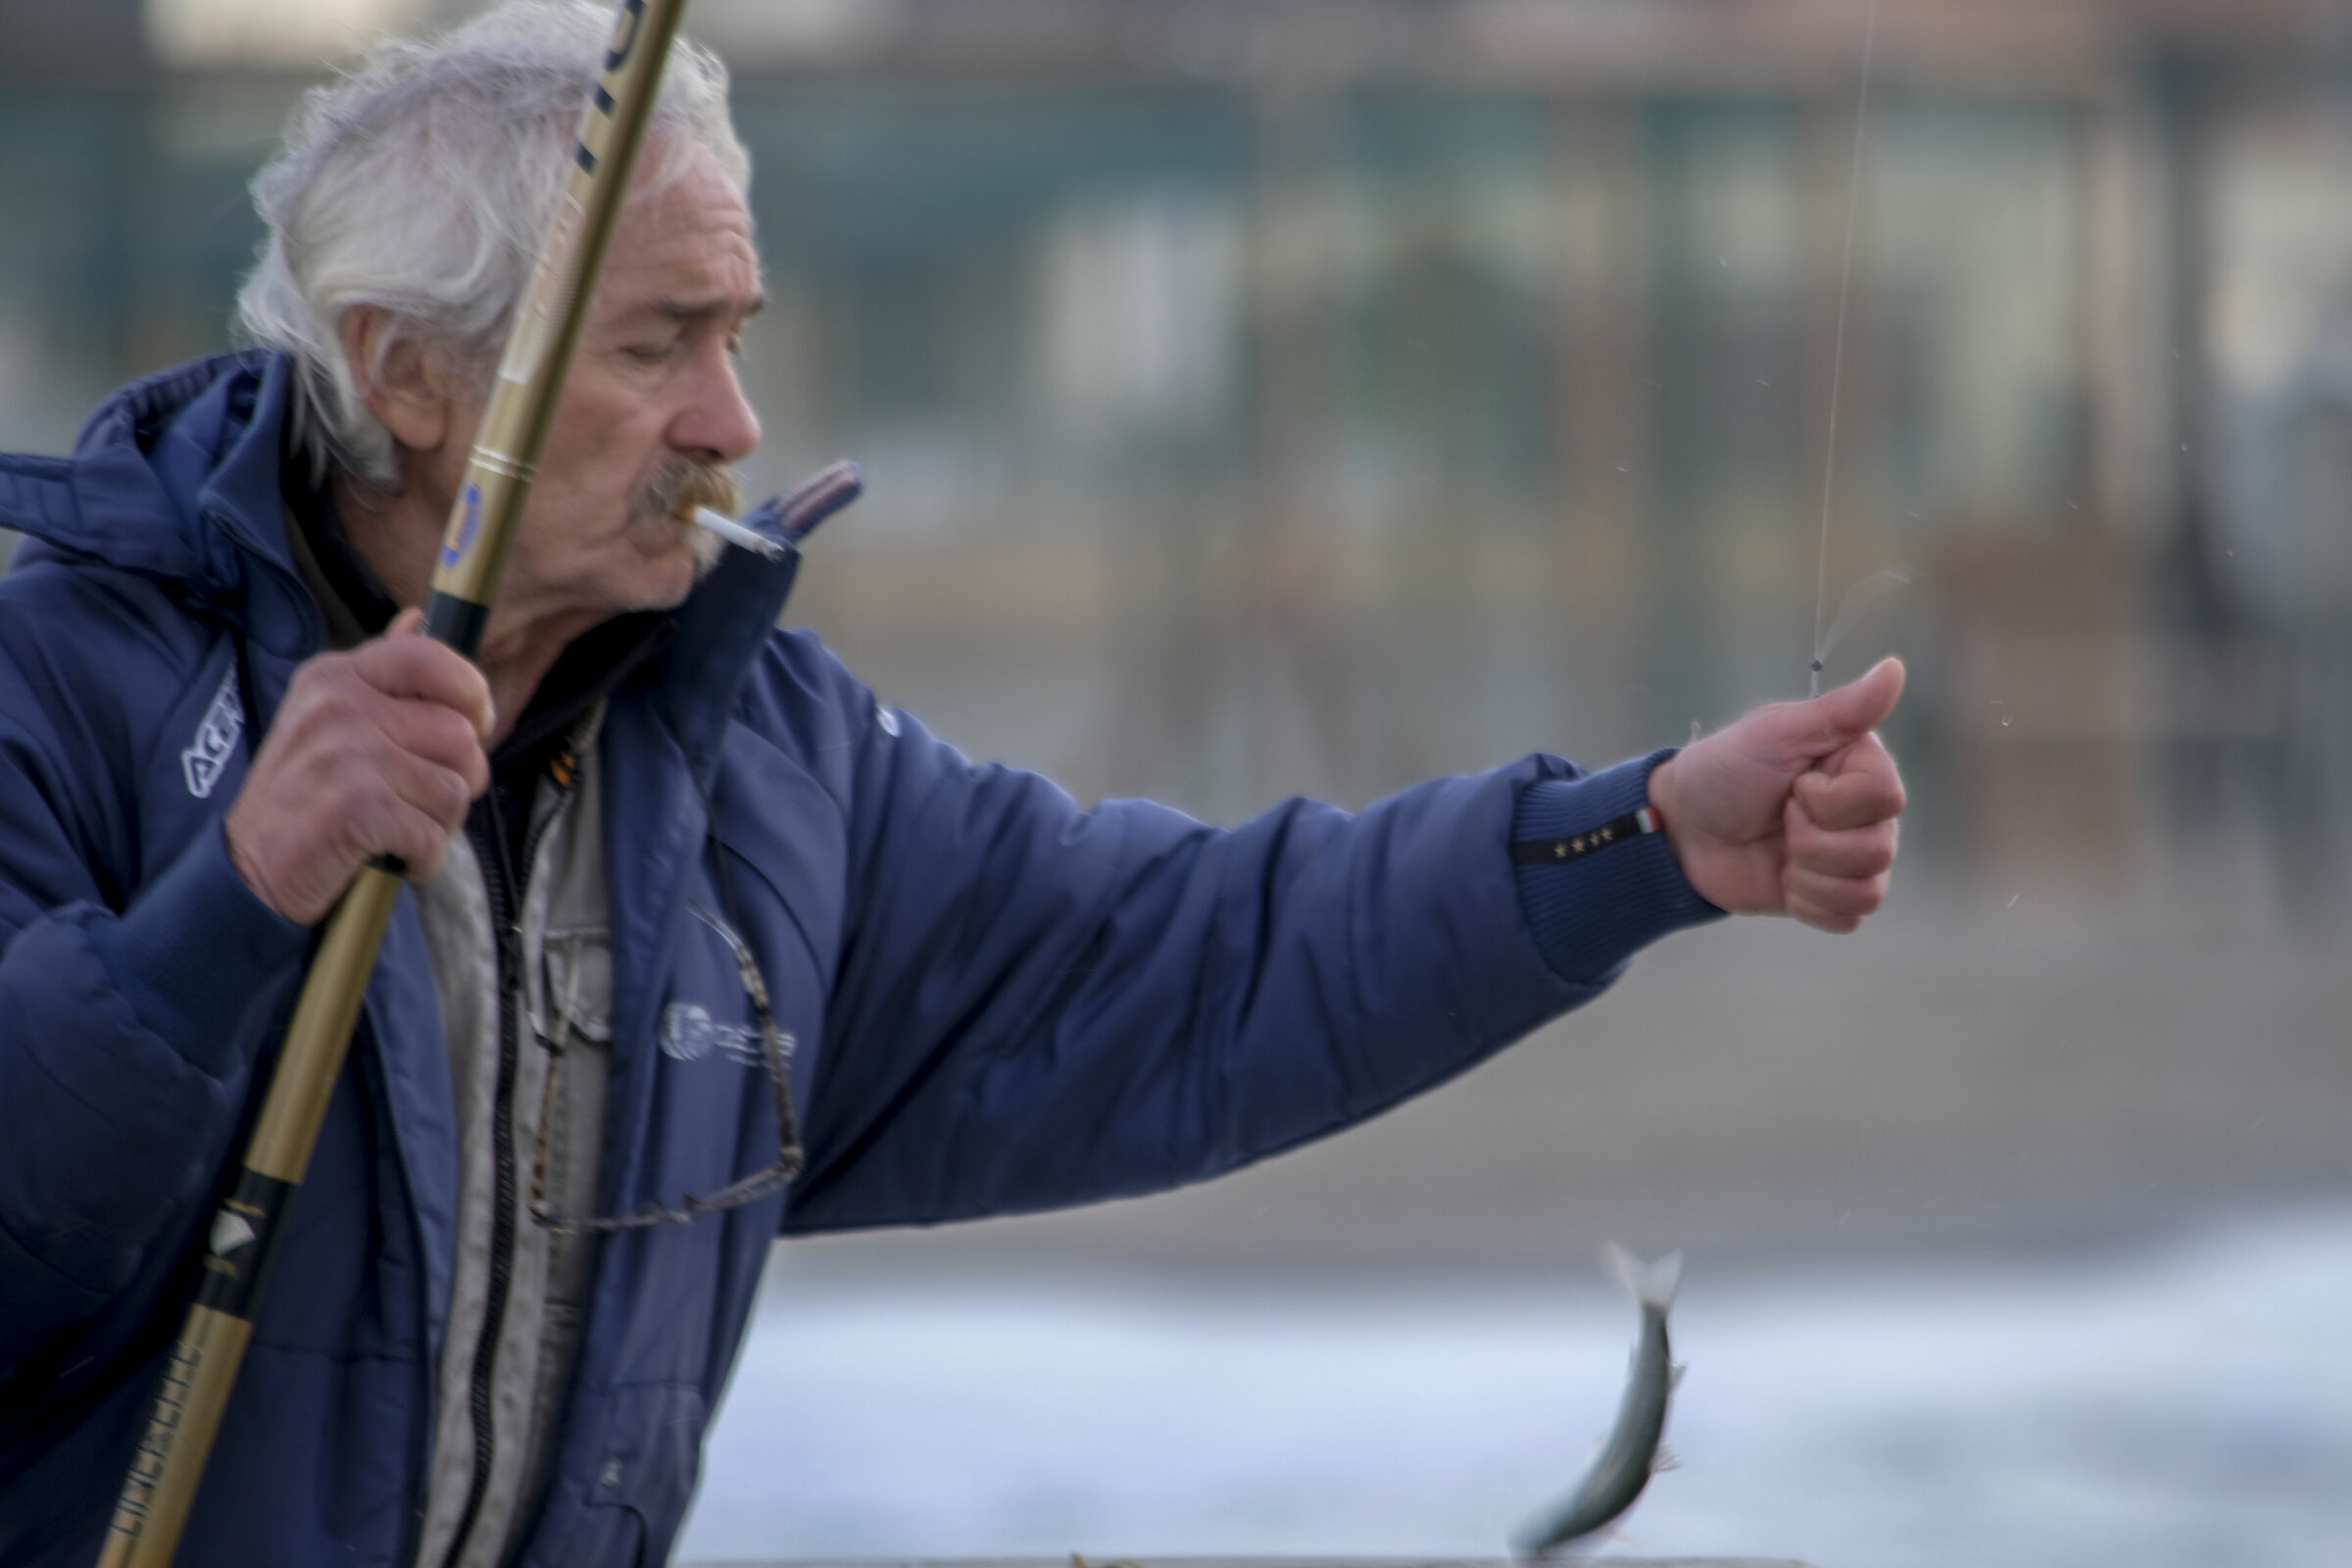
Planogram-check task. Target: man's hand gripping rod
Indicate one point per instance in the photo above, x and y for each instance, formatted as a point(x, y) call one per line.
point(188, 1406)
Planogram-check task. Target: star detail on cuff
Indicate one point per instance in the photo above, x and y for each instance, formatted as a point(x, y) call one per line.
point(1575, 845)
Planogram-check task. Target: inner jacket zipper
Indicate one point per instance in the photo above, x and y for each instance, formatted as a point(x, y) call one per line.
point(505, 884)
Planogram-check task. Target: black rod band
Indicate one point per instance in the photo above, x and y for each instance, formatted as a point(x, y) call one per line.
point(244, 1239)
point(456, 622)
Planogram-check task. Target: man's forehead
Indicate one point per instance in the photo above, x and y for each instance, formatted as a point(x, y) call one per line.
point(683, 250)
point(687, 309)
point(681, 291)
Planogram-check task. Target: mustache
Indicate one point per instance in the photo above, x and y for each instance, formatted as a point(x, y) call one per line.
point(685, 484)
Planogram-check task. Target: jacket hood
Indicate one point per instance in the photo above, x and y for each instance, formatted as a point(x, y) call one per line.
point(175, 477)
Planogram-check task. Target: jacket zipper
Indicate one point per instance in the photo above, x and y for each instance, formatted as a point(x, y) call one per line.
point(504, 883)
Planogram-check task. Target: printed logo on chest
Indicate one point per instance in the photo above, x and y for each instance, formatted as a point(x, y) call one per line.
point(689, 1034)
point(206, 756)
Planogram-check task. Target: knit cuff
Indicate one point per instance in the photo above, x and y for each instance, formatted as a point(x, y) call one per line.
point(1597, 880)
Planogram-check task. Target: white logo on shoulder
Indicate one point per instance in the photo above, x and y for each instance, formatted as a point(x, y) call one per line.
point(689, 1034)
point(887, 719)
point(207, 756)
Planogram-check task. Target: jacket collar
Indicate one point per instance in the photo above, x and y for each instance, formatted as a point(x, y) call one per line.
point(723, 625)
point(720, 629)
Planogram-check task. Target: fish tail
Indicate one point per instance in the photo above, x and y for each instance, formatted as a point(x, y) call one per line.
point(1650, 1284)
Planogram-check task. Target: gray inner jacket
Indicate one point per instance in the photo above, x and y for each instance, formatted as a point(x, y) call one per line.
point(557, 1114)
point(568, 980)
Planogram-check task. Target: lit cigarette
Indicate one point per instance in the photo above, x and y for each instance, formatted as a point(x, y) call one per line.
point(735, 533)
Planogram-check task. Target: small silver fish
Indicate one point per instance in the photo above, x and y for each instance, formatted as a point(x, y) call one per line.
point(1632, 1454)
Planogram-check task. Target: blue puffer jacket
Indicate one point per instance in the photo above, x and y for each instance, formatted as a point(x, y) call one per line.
point(1002, 1002)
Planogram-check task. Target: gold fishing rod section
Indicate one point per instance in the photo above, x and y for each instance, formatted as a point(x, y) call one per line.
point(547, 325)
point(169, 1463)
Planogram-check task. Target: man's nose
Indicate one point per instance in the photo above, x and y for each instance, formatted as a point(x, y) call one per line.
point(718, 417)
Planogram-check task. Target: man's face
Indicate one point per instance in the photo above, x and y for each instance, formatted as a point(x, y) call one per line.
point(651, 408)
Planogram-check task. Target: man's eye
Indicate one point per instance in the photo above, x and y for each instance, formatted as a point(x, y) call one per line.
point(645, 352)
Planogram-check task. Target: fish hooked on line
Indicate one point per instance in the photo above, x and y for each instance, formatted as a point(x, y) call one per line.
point(1634, 1451)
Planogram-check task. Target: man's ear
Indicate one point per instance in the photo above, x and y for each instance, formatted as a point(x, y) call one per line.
point(403, 381)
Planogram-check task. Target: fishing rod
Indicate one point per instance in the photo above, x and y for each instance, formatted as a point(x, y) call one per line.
point(246, 1229)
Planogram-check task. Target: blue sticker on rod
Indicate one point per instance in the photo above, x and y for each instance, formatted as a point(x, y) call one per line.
point(451, 554)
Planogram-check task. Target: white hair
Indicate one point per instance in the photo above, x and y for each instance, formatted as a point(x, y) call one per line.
point(422, 182)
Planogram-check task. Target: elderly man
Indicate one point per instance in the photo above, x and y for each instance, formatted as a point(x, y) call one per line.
point(702, 945)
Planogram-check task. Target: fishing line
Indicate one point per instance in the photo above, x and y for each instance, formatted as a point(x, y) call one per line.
point(1860, 597)
point(1845, 277)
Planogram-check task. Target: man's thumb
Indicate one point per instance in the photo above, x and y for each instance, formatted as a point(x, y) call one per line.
point(1840, 716)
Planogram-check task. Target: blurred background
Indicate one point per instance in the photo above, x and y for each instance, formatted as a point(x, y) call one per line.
point(1307, 396)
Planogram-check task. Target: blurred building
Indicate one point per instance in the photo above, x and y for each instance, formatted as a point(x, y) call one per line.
point(1267, 395)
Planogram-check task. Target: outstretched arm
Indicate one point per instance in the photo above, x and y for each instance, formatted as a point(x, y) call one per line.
point(1038, 1004)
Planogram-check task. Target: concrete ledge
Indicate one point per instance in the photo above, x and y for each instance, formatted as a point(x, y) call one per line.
point(1076, 1560)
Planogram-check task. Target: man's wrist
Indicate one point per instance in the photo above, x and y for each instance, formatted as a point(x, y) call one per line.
point(1562, 848)
point(1665, 802)
point(1596, 882)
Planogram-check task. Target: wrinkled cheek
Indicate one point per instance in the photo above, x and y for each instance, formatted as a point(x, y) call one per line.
point(657, 536)
point(660, 565)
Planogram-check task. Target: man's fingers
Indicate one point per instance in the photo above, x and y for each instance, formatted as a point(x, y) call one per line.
point(374, 751)
point(406, 666)
point(1815, 898)
point(1865, 789)
point(1843, 714)
point(1836, 925)
point(419, 841)
point(1851, 852)
point(439, 735)
point(1859, 707)
point(438, 795)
